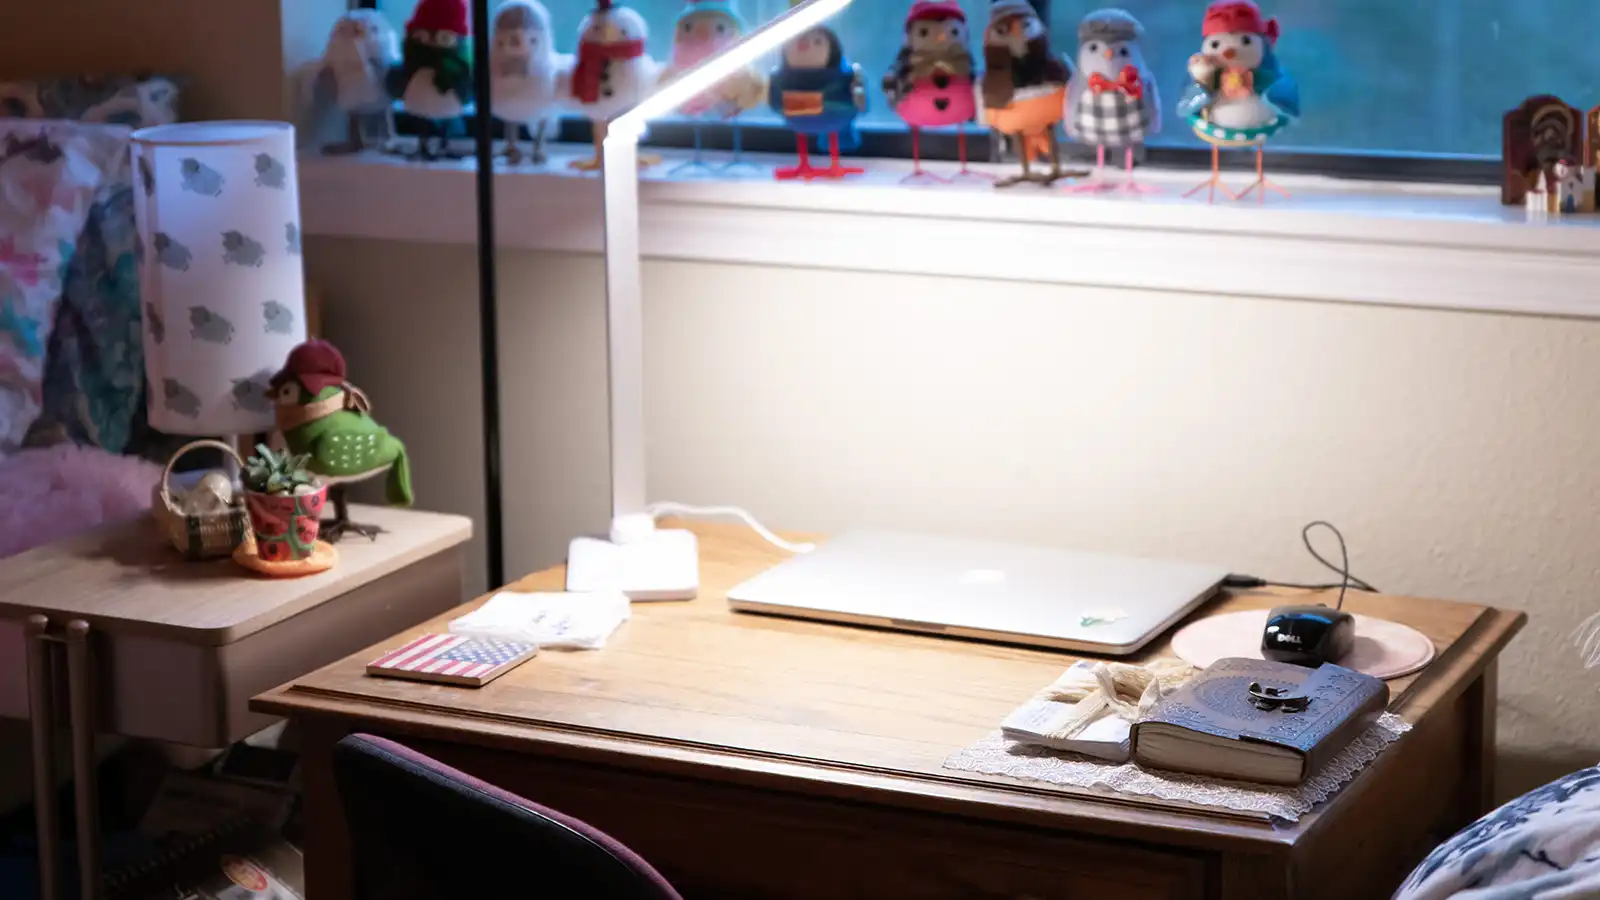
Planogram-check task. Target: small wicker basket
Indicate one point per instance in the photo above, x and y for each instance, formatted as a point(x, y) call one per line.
point(207, 536)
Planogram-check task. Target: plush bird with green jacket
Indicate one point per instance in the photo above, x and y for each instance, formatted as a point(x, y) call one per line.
point(324, 416)
point(434, 79)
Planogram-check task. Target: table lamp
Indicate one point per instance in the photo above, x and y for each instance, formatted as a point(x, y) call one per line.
point(638, 559)
point(218, 213)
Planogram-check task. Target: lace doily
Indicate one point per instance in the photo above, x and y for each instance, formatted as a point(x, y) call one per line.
point(994, 755)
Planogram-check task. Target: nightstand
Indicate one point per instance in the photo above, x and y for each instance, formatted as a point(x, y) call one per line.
point(115, 632)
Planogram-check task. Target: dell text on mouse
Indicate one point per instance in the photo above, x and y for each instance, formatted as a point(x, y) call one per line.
point(1308, 635)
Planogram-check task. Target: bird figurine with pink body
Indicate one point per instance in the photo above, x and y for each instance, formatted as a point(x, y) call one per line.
point(613, 73)
point(819, 93)
point(704, 29)
point(1240, 96)
point(1112, 99)
point(931, 83)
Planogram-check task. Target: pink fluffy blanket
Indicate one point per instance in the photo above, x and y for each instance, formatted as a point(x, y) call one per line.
point(48, 493)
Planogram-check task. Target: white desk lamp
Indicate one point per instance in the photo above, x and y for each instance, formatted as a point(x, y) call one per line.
point(639, 560)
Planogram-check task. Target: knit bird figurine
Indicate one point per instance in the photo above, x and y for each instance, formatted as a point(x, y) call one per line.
point(818, 92)
point(1240, 95)
point(611, 75)
point(324, 416)
point(930, 84)
point(1112, 99)
point(524, 69)
point(1024, 88)
point(362, 50)
point(434, 79)
point(704, 29)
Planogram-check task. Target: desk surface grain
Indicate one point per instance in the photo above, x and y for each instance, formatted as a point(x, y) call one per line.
point(693, 688)
point(126, 578)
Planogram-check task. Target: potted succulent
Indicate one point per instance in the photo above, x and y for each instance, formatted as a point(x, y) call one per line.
point(285, 504)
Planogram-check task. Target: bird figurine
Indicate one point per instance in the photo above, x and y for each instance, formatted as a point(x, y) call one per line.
point(705, 28)
point(434, 80)
point(1240, 95)
point(818, 92)
point(930, 84)
point(1112, 101)
point(612, 74)
point(523, 70)
point(1024, 89)
point(324, 416)
point(362, 49)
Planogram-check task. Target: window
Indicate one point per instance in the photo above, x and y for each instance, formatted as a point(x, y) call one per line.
point(1377, 77)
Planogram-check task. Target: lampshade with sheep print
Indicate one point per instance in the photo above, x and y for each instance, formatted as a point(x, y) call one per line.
point(218, 211)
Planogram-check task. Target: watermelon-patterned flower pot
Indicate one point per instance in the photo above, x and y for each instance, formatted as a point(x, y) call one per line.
point(285, 525)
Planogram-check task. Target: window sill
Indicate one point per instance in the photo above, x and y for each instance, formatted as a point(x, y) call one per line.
point(1410, 245)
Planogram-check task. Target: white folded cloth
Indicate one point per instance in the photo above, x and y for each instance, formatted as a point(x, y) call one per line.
point(579, 621)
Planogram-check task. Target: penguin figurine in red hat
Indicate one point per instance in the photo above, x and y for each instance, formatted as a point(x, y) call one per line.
point(613, 72)
point(434, 79)
point(325, 417)
point(930, 84)
point(1240, 96)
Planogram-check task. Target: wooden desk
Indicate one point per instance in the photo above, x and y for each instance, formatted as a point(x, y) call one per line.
point(749, 756)
point(159, 647)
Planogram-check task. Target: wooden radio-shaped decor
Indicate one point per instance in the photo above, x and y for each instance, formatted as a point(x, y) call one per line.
point(1537, 136)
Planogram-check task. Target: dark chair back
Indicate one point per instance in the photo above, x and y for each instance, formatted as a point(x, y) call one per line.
point(420, 829)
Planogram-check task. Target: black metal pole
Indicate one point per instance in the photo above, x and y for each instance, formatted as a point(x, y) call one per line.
point(488, 342)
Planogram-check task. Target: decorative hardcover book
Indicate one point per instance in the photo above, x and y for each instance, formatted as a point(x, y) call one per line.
point(453, 659)
point(1257, 720)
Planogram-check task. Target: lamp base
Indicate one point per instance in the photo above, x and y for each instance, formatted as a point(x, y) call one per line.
point(663, 565)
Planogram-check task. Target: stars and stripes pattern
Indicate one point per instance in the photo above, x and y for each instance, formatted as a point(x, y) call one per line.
point(450, 655)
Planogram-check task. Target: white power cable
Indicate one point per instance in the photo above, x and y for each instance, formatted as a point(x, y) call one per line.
point(684, 509)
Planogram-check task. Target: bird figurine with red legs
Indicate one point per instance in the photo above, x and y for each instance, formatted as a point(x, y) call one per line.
point(931, 83)
point(818, 92)
point(1240, 95)
point(704, 29)
point(612, 74)
point(1024, 88)
point(1112, 100)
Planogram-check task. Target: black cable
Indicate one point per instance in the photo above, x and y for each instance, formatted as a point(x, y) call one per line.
point(488, 338)
point(1349, 580)
point(1344, 555)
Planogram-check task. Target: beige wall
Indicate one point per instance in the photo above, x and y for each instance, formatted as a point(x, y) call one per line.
point(1457, 451)
point(240, 76)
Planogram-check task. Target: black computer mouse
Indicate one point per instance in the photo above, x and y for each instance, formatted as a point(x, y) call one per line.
point(1308, 635)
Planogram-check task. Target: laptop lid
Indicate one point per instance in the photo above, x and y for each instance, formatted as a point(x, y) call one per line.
point(981, 589)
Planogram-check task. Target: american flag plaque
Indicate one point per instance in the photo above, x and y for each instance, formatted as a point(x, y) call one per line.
point(453, 659)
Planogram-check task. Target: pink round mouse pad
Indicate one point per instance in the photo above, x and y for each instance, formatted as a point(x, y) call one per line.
point(1382, 648)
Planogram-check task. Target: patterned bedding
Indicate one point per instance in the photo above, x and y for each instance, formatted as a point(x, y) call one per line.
point(50, 174)
point(92, 382)
point(1544, 845)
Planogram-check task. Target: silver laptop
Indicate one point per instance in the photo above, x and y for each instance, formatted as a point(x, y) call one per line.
point(979, 589)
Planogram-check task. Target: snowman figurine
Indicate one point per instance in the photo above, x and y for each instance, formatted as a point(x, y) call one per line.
point(612, 73)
